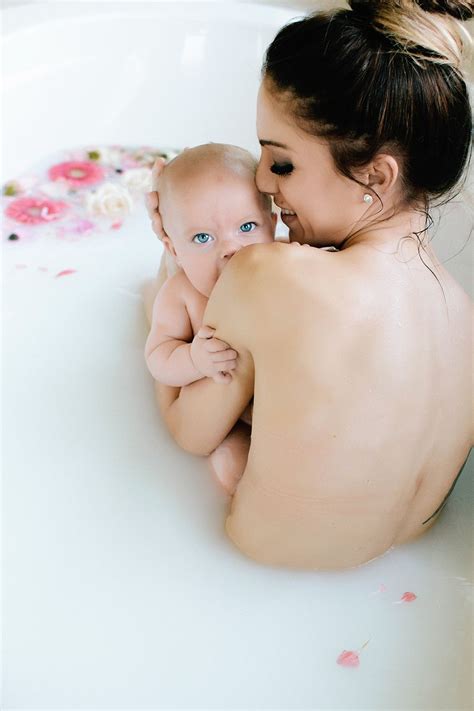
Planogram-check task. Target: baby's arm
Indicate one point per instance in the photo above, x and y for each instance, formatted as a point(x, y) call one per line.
point(173, 356)
point(167, 349)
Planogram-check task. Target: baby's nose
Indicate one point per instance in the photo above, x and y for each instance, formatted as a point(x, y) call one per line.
point(229, 248)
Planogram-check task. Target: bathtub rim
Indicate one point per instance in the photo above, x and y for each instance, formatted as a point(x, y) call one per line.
point(21, 20)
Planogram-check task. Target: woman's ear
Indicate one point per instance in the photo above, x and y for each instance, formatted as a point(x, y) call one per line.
point(382, 173)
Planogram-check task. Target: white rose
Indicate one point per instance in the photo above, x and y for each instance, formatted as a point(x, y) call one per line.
point(138, 180)
point(110, 200)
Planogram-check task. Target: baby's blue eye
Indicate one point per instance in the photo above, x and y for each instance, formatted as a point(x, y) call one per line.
point(248, 226)
point(202, 238)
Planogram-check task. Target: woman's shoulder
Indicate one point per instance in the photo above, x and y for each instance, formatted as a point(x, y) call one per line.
point(277, 276)
point(279, 258)
point(280, 268)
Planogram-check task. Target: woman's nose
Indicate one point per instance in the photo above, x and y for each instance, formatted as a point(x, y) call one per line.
point(265, 180)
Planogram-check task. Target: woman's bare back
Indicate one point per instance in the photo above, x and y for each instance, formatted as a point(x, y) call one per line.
point(362, 418)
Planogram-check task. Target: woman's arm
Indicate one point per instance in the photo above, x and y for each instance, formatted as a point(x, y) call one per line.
point(200, 415)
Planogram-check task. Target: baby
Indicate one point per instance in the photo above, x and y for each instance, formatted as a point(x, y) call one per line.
point(210, 209)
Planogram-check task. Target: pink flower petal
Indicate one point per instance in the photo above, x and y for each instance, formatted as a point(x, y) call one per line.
point(65, 272)
point(348, 659)
point(408, 597)
point(77, 172)
point(382, 588)
point(35, 211)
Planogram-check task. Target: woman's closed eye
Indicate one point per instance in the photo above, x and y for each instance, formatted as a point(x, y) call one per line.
point(281, 168)
point(202, 238)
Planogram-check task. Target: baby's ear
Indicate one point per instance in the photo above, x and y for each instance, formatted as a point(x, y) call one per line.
point(169, 246)
point(156, 171)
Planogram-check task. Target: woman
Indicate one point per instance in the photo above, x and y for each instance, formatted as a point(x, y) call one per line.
point(360, 358)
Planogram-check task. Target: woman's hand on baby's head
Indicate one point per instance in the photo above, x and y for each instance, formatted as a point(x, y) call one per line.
point(212, 357)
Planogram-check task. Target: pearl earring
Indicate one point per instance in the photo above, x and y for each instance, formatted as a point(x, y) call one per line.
point(368, 199)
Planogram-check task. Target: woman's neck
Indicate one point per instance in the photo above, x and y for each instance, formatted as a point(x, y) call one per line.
point(403, 234)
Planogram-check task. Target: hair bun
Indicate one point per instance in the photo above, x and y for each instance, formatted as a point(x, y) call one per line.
point(460, 9)
point(365, 8)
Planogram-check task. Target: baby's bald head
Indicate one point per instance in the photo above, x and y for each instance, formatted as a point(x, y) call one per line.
point(193, 164)
point(210, 209)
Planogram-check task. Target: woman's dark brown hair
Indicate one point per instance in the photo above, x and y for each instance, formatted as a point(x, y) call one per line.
point(386, 74)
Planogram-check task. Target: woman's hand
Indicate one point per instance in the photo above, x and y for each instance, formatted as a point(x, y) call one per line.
point(212, 357)
point(152, 200)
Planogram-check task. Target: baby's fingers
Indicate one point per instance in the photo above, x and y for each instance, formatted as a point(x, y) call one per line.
point(222, 378)
point(224, 356)
point(206, 332)
point(214, 345)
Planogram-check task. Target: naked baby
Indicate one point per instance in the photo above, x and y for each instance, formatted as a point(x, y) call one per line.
point(210, 209)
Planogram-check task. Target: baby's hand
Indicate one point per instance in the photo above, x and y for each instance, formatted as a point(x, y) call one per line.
point(212, 357)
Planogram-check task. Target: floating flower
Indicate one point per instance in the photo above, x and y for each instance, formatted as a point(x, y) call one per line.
point(77, 172)
point(146, 155)
point(110, 155)
point(82, 226)
point(110, 200)
point(75, 228)
point(406, 597)
point(10, 189)
point(348, 659)
point(129, 162)
point(138, 180)
point(65, 272)
point(381, 589)
point(35, 211)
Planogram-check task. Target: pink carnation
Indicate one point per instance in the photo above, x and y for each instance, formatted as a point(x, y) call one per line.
point(35, 211)
point(77, 172)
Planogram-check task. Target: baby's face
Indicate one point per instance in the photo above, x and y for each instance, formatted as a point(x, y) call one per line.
point(210, 218)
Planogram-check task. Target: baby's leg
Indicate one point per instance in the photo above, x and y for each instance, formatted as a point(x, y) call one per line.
point(228, 461)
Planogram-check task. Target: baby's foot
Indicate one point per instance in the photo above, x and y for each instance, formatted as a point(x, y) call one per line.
point(228, 461)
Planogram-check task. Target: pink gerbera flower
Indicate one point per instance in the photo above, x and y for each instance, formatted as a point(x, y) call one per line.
point(77, 172)
point(35, 211)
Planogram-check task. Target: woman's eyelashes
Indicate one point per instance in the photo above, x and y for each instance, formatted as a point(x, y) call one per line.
point(281, 168)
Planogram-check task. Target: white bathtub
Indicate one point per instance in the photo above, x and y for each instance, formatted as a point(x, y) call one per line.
point(120, 589)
